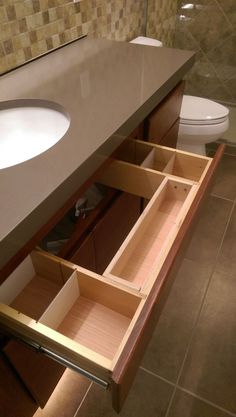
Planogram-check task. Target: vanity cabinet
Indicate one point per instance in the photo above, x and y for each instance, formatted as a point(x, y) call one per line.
point(100, 324)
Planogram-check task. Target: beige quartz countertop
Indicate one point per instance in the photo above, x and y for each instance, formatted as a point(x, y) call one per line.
point(107, 88)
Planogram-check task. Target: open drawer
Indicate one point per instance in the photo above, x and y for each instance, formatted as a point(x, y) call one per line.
point(69, 314)
point(100, 325)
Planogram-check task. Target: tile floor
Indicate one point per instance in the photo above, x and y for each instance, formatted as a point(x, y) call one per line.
point(189, 369)
point(230, 134)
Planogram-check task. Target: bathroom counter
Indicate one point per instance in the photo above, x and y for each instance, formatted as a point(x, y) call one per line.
point(108, 88)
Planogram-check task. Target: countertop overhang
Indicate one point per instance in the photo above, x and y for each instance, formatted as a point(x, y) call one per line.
point(108, 88)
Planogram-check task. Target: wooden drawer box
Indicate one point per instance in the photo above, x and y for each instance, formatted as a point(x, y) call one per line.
point(86, 320)
point(101, 324)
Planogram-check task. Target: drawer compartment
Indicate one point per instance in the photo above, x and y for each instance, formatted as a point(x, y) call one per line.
point(33, 285)
point(160, 121)
point(143, 252)
point(159, 158)
point(92, 313)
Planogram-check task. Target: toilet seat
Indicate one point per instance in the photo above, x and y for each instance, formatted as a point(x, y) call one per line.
point(201, 111)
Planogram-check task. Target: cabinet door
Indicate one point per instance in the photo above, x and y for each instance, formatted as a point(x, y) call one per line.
point(138, 133)
point(164, 117)
point(114, 226)
point(40, 374)
point(171, 137)
point(15, 401)
point(85, 254)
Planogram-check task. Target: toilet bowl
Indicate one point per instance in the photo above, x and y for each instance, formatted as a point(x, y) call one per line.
point(201, 120)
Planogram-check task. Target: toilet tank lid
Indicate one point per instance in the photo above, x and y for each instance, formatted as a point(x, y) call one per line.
point(201, 109)
point(143, 40)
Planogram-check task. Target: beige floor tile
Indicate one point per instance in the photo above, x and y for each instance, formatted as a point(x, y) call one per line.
point(227, 256)
point(209, 231)
point(225, 179)
point(185, 405)
point(210, 366)
point(148, 397)
point(168, 345)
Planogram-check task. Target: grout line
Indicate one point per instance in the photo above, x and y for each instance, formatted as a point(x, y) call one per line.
point(222, 198)
point(157, 376)
point(199, 314)
point(146, 16)
point(230, 154)
point(83, 399)
point(225, 15)
point(198, 397)
point(192, 394)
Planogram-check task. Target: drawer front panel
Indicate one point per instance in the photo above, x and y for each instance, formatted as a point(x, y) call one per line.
point(34, 369)
point(171, 137)
point(163, 118)
point(113, 228)
point(85, 254)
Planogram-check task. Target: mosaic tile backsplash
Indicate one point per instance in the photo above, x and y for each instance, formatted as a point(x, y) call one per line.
point(29, 28)
point(161, 19)
point(209, 27)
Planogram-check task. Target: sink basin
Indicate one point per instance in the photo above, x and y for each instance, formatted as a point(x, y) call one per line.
point(28, 128)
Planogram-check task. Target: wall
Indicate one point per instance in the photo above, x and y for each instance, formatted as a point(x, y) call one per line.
point(161, 17)
point(209, 27)
point(29, 28)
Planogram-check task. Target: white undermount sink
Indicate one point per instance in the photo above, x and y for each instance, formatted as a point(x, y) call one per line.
point(28, 128)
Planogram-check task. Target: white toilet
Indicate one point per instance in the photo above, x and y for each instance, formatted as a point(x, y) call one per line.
point(201, 120)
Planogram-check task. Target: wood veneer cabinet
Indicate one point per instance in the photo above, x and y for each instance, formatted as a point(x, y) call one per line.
point(101, 324)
